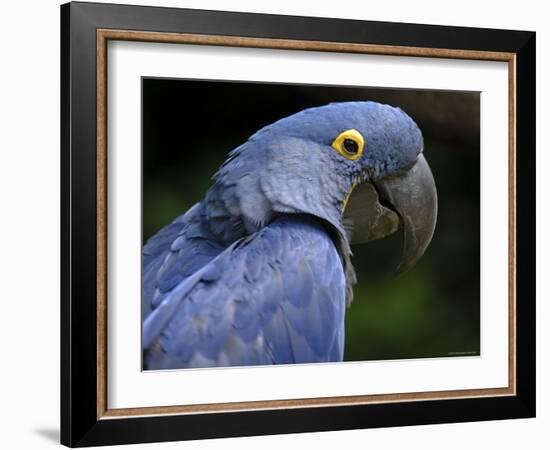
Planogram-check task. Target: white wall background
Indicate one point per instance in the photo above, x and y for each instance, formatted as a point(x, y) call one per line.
point(29, 224)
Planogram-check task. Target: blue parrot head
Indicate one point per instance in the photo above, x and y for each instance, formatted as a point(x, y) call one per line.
point(371, 139)
point(358, 166)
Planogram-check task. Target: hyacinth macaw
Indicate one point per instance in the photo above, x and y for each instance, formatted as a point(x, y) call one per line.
point(260, 271)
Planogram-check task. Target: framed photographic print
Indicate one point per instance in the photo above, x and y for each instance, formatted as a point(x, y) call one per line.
point(277, 224)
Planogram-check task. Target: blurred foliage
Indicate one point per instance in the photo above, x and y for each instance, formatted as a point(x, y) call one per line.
point(431, 311)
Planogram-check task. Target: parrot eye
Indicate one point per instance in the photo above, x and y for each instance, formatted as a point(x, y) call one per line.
point(349, 144)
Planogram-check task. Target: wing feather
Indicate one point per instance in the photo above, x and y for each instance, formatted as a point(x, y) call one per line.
point(276, 297)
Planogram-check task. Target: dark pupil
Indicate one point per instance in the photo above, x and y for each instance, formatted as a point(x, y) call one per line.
point(351, 146)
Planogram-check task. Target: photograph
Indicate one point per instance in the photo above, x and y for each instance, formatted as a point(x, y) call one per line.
point(294, 224)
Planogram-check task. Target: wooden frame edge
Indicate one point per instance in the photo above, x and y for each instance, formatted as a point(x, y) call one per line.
point(289, 44)
point(303, 403)
point(512, 199)
point(103, 35)
point(101, 223)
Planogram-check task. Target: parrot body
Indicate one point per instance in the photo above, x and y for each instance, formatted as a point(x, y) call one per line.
point(274, 297)
point(259, 272)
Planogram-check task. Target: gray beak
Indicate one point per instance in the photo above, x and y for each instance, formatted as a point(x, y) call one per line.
point(412, 199)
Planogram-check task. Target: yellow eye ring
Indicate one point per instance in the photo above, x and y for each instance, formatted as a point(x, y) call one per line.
point(349, 144)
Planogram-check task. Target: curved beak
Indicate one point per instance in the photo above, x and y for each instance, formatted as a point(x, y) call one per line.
point(408, 199)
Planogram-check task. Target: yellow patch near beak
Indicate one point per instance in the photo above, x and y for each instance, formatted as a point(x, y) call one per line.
point(348, 195)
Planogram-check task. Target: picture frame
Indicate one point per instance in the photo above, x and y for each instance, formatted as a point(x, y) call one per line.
point(86, 30)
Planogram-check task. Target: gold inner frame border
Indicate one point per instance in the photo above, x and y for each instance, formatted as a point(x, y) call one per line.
point(103, 36)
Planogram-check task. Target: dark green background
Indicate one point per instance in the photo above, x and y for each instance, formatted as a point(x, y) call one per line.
point(189, 127)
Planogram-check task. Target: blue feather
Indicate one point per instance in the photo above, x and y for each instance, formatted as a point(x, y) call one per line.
point(262, 308)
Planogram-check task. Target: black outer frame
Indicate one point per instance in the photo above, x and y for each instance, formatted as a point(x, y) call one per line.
point(79, 423)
